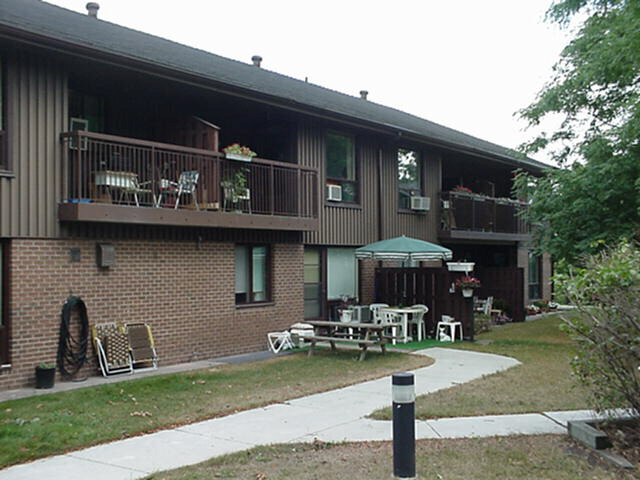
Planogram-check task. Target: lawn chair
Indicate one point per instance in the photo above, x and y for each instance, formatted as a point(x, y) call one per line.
point(112, 348)
point(186, 185)
point(291, 338)
point(143, 352)
point(417, 319)
point(279, 341)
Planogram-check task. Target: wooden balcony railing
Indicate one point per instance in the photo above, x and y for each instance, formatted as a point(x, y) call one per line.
point(105, 169)
point(493, 217)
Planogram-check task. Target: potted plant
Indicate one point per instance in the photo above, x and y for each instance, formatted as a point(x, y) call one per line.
point(235, 151)
point(467, 284)
point(235, 186)
point(45, 375)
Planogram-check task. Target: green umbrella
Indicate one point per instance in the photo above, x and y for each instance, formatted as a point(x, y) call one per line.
point(404, 249)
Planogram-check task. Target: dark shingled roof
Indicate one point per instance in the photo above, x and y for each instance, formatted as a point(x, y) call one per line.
point(39, 18)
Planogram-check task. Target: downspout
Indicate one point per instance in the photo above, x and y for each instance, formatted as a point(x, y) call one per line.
point(379, 176)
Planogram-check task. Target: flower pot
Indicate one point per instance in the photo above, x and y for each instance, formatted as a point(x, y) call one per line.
point(467, 292)
point(237, 156)
point(45, 377)
point(460, 266)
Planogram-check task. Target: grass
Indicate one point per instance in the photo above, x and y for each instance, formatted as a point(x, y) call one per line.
point(49, 424)
point(543, 382)
point(544, 457)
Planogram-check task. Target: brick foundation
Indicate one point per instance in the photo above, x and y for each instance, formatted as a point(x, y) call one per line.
point(184, 291)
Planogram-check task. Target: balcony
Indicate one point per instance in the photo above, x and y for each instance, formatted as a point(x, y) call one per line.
point(124, 180)
point(477, 217)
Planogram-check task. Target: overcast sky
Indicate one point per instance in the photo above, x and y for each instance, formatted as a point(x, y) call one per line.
point(466, 64)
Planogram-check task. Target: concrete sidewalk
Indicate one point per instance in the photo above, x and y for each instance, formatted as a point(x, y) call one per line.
point(336, 415)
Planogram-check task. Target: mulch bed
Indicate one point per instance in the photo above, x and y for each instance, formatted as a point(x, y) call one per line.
point(625, 437)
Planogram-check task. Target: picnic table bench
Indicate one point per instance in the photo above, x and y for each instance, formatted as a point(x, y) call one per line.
point(362, 334)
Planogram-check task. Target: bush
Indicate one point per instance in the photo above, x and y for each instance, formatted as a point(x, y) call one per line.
point(501, 304)
point(481, 323)
point(606, 293)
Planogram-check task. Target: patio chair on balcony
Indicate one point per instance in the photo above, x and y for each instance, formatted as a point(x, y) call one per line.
point(111, 344)
point(143, 351)
point(186, 185)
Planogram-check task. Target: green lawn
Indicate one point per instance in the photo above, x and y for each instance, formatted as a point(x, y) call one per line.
point(543, 381)
point(544, 457)
point(55, 423)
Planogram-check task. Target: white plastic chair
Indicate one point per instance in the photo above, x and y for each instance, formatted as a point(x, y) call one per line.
point(374, 308)
point(388, 316)
point(417, 319)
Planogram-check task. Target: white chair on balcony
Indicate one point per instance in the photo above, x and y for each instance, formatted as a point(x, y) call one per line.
point(186, 185)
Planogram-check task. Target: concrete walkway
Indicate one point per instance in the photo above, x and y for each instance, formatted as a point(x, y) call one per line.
point(330, 416)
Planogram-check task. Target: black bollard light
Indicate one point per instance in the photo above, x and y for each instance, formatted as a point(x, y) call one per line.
point(403, 395)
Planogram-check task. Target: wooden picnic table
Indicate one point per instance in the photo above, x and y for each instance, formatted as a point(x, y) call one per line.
point(362, 334)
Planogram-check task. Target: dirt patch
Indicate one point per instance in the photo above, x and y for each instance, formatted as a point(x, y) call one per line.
point(625, 437)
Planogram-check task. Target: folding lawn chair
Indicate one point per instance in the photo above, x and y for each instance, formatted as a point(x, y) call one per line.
point(111, 344)
point(143, 351)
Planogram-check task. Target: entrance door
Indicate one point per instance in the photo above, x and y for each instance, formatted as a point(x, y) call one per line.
point(314, 290)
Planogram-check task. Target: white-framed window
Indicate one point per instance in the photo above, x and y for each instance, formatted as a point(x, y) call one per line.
point(252, 267)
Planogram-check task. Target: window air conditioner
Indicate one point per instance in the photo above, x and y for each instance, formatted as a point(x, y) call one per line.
point(420, 203)
point(334, 193)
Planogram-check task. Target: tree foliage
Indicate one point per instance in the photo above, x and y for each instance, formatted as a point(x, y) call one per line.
point(607, 294)
point(594, 199)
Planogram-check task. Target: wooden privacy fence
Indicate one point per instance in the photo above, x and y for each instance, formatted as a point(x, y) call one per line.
point(505, 283)
point(433, 287)
point(427, 286)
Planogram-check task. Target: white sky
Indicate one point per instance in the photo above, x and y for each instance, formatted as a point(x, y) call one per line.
point(466, 64)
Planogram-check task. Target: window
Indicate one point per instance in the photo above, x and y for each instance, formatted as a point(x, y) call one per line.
point(409, 177)
point(252, 274)
point(534, 277)
point(341, 165)
point(342, 273)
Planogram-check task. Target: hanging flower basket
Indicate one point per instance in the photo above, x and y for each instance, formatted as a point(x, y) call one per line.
point(460, 266)
point(467, 284)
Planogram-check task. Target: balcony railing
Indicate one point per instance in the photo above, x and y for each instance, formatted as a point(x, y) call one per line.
point(105, 169)
point(490, 217)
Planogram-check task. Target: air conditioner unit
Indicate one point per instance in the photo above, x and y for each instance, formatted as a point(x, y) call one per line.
point(334, 193)
point(420, 203)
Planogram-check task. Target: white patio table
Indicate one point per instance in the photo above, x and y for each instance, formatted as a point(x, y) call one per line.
point(404, 313)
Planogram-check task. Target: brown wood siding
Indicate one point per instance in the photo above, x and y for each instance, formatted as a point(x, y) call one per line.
point(36, 114)
point(355, 226)
point(417, 225)
point(352, 225)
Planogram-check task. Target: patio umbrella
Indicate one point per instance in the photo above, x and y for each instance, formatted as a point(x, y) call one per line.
point(404, 249)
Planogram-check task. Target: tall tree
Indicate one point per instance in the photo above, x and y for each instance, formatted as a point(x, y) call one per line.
point(594, 198)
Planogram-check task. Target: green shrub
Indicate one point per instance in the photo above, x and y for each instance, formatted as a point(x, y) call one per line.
point(481, 323)
point(606, 293)
point(501, 304)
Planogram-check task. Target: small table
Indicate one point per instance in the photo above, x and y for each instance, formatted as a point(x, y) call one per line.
point(364, 334)
point(452, 326)
point(404, 312)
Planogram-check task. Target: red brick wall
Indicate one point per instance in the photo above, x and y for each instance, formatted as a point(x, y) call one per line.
point(366, 290)
point(184, 292)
